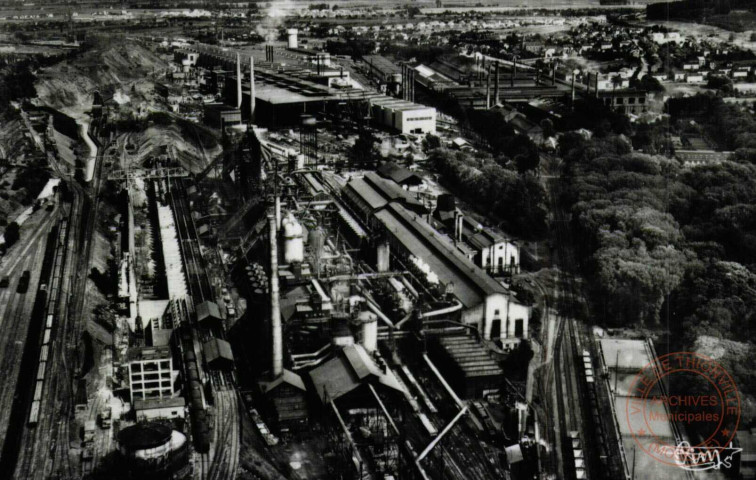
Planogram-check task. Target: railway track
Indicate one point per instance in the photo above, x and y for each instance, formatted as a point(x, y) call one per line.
point(221, 460)
point(460, 450)
point(228, 434)
point(194, 264)
point(573, 403)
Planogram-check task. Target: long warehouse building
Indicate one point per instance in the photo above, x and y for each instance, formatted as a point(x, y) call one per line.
point(486, 303)
point(284, 93)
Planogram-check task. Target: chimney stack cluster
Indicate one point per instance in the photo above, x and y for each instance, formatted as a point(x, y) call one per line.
point(408, 83)
point(251, 89)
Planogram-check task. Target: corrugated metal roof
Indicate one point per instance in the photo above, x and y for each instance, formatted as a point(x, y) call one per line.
point(473, 361)
point(351, 368)
point(471, 283)
point(352, 223)
point(399, 174)
point(217, 349)
point(208, 309)
point(288, 377)
point(382, 64)
point(359, 189)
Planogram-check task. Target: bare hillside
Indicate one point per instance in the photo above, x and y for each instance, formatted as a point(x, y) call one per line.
point(192, 146)
point(120, 69)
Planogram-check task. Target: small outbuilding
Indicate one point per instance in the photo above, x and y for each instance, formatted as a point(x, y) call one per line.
point(208, 312)
point(218, 354)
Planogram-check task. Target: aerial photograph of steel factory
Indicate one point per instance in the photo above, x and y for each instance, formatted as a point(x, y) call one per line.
point(378, 240)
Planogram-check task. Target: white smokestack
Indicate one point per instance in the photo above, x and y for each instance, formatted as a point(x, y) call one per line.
point(238, 81)
point(251, 89)
point(293, 42)
point(278, 211)
point(275, 307)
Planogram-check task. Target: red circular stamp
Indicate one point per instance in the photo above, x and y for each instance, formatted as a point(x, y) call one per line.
point(683, 409)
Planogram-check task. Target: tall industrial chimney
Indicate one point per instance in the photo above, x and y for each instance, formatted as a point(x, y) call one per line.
point(488, 88)
point(458, 225)
point(275, 306)
point(413, 84)
point(572, 94)
point(514, 70)
point(251, 89)
point(404, 82)
point(496, 84)
point(595, 85)
point(238, 81)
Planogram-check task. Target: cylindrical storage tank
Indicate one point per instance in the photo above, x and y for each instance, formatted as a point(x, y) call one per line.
point(293, 41)
point(147, 443)
point(293, 241)
point(316, 240)
point(369, 323)
point(396, 78)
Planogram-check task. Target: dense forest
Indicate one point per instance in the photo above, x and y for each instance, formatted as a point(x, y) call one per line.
point(663, 245)
point(631, 248)
point(644, 225)
point(517, 200)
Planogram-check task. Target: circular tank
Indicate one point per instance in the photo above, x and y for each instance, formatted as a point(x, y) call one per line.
point(293, 241)
point(152, 451)
point(145, 441)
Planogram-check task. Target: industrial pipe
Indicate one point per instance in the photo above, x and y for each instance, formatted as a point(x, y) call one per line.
point(316, 354)
point(440, 435)
point(443, 381)
point(434, 313)
point(407, 444)
point(442, 311)
point(374, 308)
point(408, 286)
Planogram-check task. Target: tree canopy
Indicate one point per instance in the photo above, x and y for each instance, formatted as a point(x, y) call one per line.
point(517, 200)
point(630, 245)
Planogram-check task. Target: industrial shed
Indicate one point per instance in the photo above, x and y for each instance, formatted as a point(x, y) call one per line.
point(218, 354)
point(473, 372)
point(287, 393)
point(345, 377)
point(208, 312)
point(401, 175)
